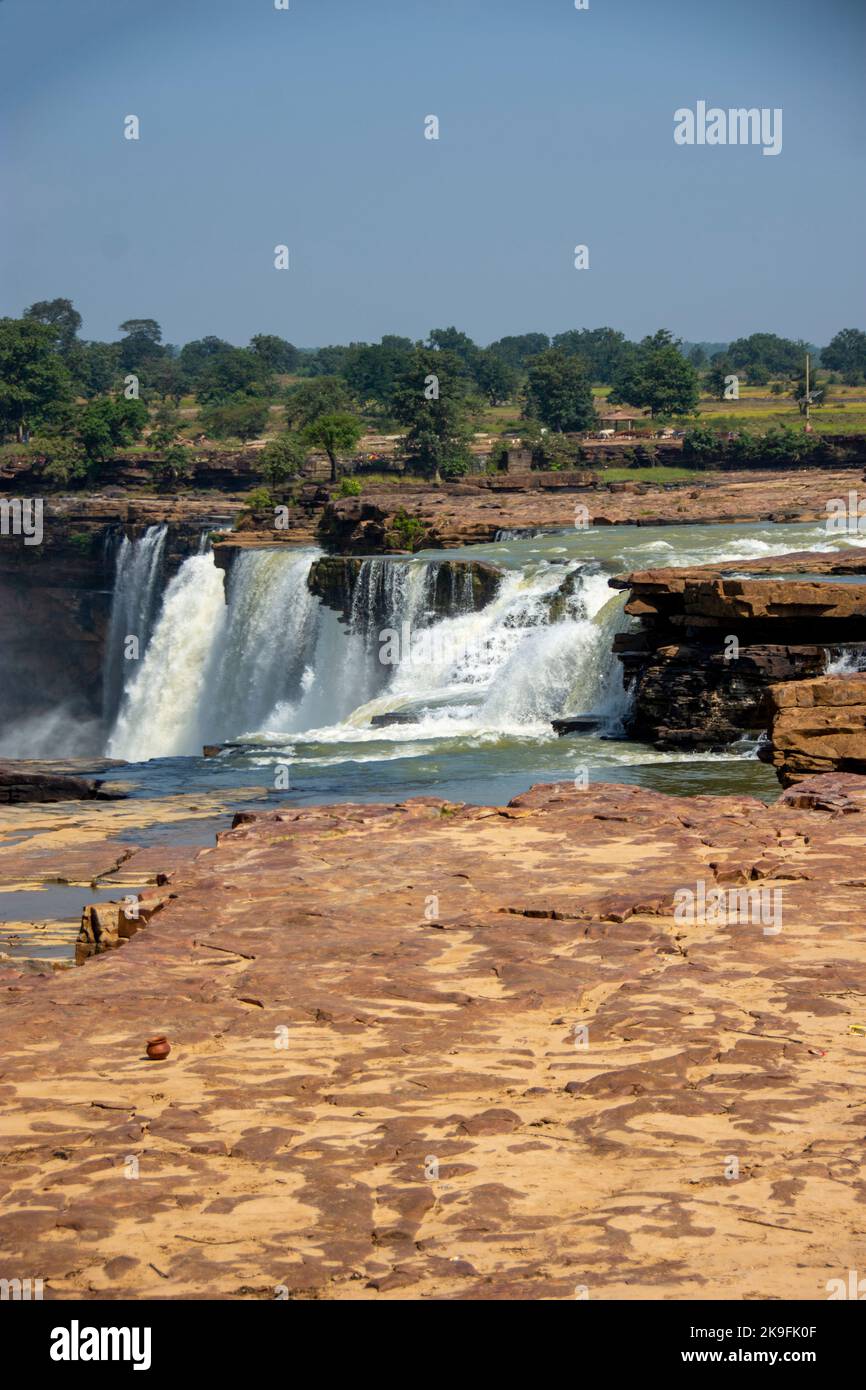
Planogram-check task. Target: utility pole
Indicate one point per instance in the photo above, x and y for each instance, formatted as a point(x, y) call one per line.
point(807, 391)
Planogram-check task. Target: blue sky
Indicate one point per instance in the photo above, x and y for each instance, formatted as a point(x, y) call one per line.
point(306, 127)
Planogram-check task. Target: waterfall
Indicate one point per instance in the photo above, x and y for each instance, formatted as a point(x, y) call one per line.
point(510, 667)
point(160, 712)
point(845, 661)
point(223, 660)
point(137, 574)
point(260, 660)
point(257, 665)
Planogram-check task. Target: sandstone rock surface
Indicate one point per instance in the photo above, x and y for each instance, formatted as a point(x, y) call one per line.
point(378, 1085)
point(817, 726)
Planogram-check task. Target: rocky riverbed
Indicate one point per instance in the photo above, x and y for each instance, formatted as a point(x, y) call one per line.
point(460, 1052)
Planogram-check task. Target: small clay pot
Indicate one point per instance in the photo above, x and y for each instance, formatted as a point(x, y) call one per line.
point(158, 1048)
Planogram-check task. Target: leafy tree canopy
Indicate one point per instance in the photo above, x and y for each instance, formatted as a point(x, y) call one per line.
point(655, 375)
point(322, 395)
point(142, 343)
point(34, 383)
point(431, 398)
point(276, 354)
point(601, 348)
point(846, 352)
point(780, 356)
point(61, 316)
point(337, 433)
point(232, 372)
point(559, 391)
point(518, 349)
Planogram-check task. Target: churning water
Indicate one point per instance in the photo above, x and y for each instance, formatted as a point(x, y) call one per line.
point(416, 689)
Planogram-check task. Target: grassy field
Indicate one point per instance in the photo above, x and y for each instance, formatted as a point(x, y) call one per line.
point(665, 473)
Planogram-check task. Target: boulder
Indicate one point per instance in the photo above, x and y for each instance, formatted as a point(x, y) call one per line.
point(817, 726)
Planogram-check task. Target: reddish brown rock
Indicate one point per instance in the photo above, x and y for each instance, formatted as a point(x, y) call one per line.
point(817, 726)
point(357, 1106)
point(710, 646)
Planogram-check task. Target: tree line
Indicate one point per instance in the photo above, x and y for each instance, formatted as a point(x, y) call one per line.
point(85, 400)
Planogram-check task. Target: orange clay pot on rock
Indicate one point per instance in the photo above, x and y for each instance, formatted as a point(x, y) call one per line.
point(158, 1048)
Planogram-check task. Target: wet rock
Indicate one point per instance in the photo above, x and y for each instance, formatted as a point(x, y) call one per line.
point(710, 646)
point(19, 784)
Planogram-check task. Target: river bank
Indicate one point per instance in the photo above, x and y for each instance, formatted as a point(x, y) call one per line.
point(379, 1087)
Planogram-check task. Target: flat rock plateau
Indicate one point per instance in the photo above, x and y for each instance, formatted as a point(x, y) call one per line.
point(378, 1086)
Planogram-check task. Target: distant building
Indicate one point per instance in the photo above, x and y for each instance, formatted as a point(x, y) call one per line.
point(518, 461)
point(613, 419)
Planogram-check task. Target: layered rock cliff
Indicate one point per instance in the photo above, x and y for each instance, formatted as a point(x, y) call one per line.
point(817, 726)
point(452, 585)
point(710, 645)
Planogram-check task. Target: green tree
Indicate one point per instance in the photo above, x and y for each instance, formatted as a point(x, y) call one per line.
point(371, 369)
point(239, 417)
point(34, 383)
point(282, 458)
point(230, 374)
point(165, 377)
point(142, 344)
point(96, 367)
point(326, 361)
point(714, 379)
point(452, 340)
point(59, 315)
point(779, 356)
point(702, 446)
point(337, 434)
point(275, 354)
point(846, 352)
point(657, 376)
point(172, 462)
point(601, 348)
point(495, 379)
point(110, 423)
point(559, 391)
point(431, 398)
point(309, 400)
point(519, 349)
point(196, 355)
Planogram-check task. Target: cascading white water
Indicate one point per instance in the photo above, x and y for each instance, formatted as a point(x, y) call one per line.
point(134, 606)
point(218, 663)
point(264, 660)
point(507, 667)
point(257, 665)
point(161, 708)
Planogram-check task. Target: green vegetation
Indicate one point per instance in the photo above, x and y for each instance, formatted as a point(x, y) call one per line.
point(559, 392)
point(408, 530)
point(663, 473)
point(655, 375)
point(240, 417)
point(74, 406)
point(431, 399)
point(337, 433)
point(282, 458)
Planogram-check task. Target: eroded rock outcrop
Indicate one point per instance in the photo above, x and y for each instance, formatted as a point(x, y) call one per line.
point(19, 783)
point(710, 645)
point(452, 585)
point(817, 726)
